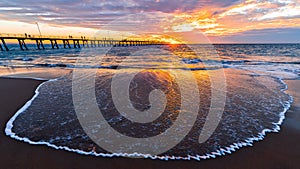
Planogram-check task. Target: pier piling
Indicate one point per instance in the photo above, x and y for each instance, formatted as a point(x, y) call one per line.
point(54, 44)
point(4, 45)
point(66, 44)
point(76, 44)
point(22, 44)
point(39, 44)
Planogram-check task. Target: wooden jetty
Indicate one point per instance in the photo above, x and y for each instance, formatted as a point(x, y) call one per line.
point(69, 42)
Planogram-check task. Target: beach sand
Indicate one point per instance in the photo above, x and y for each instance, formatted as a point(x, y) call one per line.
point(277, 151)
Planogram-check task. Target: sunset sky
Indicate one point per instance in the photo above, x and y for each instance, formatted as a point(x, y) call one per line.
point(222, 21)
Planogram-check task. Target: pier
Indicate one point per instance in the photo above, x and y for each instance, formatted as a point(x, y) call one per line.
point(65, 42)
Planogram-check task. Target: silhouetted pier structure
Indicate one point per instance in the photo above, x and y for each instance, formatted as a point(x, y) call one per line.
point(69, 42)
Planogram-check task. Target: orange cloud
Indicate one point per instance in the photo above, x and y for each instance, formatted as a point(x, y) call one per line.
point(246, 16)
point(212, 19)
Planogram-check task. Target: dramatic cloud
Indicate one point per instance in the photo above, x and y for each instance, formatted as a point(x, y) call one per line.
point(244, 16)
point(95, 13)
point(213, 17)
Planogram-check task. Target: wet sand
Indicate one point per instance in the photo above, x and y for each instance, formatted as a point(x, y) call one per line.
point(277, 150)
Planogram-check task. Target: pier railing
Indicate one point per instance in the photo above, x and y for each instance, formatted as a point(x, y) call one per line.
point(28, 36)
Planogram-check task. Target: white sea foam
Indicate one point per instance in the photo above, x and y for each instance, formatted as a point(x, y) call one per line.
point(280, 71)
point(262, 67)
point(221, 152)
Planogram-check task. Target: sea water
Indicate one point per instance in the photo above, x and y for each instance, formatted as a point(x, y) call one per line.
point(255, 99)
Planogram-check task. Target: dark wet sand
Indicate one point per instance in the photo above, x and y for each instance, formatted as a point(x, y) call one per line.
point(276, 151)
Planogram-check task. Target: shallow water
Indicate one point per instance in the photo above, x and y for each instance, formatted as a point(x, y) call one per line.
point(283, 58)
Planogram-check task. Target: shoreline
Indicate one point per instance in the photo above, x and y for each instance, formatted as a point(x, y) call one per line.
point(222, 151)
point(98, 161)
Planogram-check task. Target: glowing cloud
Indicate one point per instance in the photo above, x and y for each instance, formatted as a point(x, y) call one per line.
point(215, 18)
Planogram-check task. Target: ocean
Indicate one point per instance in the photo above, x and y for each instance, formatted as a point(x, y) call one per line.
point(208, 100)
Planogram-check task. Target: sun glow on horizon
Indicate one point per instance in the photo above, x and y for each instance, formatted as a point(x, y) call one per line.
point(213, 20)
